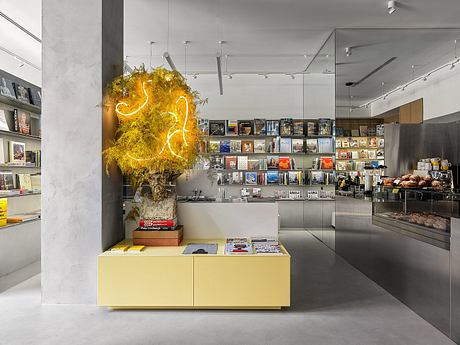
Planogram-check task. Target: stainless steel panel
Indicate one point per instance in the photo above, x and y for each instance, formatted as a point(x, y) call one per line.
point(415, 272)
point(455, 278)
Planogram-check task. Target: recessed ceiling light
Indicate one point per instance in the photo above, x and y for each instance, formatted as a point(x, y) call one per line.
point(391, 6)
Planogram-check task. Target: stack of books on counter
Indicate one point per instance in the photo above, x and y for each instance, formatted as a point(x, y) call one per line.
point(158, 232)
point(266, 245)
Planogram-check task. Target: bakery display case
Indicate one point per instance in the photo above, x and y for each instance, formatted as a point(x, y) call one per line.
point(423, 214)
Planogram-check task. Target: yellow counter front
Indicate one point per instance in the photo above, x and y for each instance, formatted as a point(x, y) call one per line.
point(162, 277)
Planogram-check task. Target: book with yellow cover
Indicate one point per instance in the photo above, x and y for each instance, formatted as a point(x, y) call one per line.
point(3, 208)
point(136, 249)
point(119, 248)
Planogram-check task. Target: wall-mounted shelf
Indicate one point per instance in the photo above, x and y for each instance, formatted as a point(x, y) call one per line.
point(266, 136)
point(266, 153)
point(20, 135)
point(19, 195)
point(18, 104)
point(11, 225)
point(16, 166)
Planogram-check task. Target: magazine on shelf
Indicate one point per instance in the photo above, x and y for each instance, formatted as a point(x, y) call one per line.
point(373, 142)
point(6, 180)
point(298, 127)
point(225, 146)
point(7, 88)
point(326, 163)
point(274, 145)
point(247, 146)
point(245, 127)
point(272, 162)
point(316, 177)
point(273, 177)
point(22, 93)
point(259, 146)
point(235, 146)
point(380, 154)
point(242, 162)
point(286, 126)
point(230, 162)
point(217, 162)
point(284, 163)
point(363, 131)
point(272, 127)
point(295, 177)
point(202, 146)
point(250, 178)
point(17, 153)
point(35, 96)
point(214, 146)
point(381, 143)
point(237, 177)
point(285, 145)
point(254, 164)
point(3, 122)
point(232, 127)
point(325, 145)
point(297, 145)
point(203, 126)
point(324, 127)
point(259, 127)
point(380, 130)
point(217, 127)
point(363, 154)
point(312, 128)
point(372, 154)
point(312, 145)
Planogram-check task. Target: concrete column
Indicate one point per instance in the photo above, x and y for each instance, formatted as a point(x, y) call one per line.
point(81, 206)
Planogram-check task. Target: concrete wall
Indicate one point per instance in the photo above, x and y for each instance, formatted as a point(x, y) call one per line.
point(77, 64)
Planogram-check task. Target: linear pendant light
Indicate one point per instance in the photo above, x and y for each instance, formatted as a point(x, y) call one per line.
point(219, 73)
point(170, 61)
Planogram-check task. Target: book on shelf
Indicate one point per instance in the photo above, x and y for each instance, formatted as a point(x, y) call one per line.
point(354, 154)
point(380, 130)
point(202, 146)
point(341, 166)
point(371, 131)
point(23, 181)
point(21, 122)
point(3, 123)
point(232, 127)
point(216, 162)
point(235, 146)
point(245, 127)
point(203, 126)
point(324, 127)
point(157, 222)
point(7, 88)
point(247, 146)
point(363, 131)
point(225, 146)
point(345, 143)
point(238, 246)
point(214, 146)
point(295, 177)
point(286, 126)
point(325, 145)
point(217, 127)
point(354, 144)
point(381, 143)
point(372, 154)
point(373, 142)
point(272, 162)
point(2, 152)
point(259, 127)
point(254, 164)
point(33, 158)
point(220, 179)
point(231, 162)
point(298, 126)
point(284, 163)
point(380, 154)
point(243, 162)
point(17, 153)
point(312, 145)
point(259, 146)
point(22, 93)
point(6, 180)
point(285, 145)
point(316, 177)
point(237, 177)
point(355, 132)
point(274, 145)
point(362, 142)
point(326, 163)
point(272, 127)
point(250, 178)
point(297, 145)
point(272, 177)
point(35, 96)
point(312, 128)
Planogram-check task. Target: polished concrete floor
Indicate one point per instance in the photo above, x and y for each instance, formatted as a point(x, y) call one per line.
point(332, 303)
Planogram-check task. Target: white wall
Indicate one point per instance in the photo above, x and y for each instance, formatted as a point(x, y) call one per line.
point(439, 93)
point(253, 96)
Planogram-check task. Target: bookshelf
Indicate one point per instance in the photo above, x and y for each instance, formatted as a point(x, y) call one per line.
point(354, 153)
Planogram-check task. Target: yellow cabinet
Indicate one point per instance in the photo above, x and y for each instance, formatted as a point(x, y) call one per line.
point(242, 281)
point(139, 281)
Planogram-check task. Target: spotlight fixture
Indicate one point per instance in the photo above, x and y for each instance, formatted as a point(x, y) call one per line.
point(292, 76)
point(348, 51)
point(425, 78)
point(265, 76)
point(452, 66)
point(20, 62)
point(219, 73)
point(230, 76)
point(391, 6)
point(194, 76)
point(167, 57)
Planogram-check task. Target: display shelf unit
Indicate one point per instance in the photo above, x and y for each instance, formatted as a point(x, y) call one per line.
point(20, 135)
point(12, 225)
point(13, 102)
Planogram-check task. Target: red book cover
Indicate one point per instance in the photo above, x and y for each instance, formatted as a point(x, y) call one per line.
point(284, 163)
point(156, 223)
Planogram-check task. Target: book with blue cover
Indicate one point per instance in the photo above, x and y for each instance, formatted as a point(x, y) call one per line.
point(273, 177)
point(225, 146)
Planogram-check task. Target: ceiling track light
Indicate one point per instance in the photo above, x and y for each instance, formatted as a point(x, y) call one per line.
point(219, 73)
point(167, 57)
point(194, 76)
point(292, 76)
point(348, 51)
point(230, 76)
point(392, 6)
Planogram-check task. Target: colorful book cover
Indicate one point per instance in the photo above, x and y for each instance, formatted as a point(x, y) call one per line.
point(298, 127)
point(225, 146)
point(327, 163)
point(230, 162)
point(317, 177)
point(235, 146)
point(372, 142)
point(237, 177)
point(216, 162)
point(259, 146)
point(250, 178)
point(312, 128)
point(273, 177)
point(247, 146)
point(284, 163)
point(272, 162)
point(272, 127)
point(254, 164)
point(214, 146)
point(217, 127)
point(203, 126)
point(324, 127)
point(295, 177)
point(245, 127)
point(232, 127)
point(259, 127)
point(312, 145)
point(242, 162)
point(286, 126)
point(297, 146)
